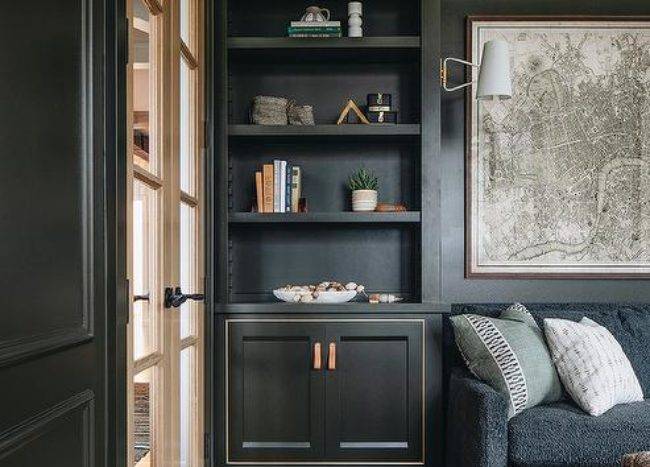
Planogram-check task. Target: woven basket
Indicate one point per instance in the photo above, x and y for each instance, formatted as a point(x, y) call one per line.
point(269, 110)
point(301, 115)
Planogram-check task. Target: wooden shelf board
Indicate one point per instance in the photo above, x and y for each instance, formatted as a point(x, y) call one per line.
point(409, 217)
point(382, 42)
point(375, 130)
point(354, 52)
point(353, 307)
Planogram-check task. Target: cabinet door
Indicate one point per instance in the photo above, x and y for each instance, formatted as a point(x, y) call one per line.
point(275, 395)
point(374, 395)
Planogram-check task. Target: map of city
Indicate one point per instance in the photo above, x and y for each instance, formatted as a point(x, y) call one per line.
point(561, 172)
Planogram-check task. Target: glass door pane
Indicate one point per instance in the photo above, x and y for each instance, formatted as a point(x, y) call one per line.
point(146, 280)
point(143, 418)
point(188, 404)
point(188, 239)
point(185, 21)
point(145, 153)
point(187, 141)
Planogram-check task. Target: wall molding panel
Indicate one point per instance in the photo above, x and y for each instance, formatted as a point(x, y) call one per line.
point(81, 331)
point(29, 431)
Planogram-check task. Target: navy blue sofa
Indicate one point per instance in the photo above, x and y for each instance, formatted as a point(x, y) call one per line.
point(478, 432)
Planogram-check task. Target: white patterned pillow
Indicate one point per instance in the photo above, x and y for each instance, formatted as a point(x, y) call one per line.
point(592, 365)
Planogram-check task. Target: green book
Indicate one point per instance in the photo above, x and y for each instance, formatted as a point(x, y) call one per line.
point(305, 30)
point(296, 187)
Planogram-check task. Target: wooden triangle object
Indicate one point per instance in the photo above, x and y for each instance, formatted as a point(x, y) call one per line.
point(352, 107)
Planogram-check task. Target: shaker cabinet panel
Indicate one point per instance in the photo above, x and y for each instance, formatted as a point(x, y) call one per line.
point(374, 395)
point(275, 400)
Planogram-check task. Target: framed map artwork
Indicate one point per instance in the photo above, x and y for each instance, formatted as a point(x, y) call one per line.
point(558, 177)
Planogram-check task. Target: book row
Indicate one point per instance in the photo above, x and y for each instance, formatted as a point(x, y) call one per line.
point(314, 29)
point(278, 187)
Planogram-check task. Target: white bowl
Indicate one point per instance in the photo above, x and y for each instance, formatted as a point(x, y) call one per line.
point(323, 297)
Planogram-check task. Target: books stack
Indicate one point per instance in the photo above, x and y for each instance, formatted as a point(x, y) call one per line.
point(278, 187)
point(314, 29)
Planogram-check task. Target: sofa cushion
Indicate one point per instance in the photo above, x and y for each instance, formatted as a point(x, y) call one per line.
point(562, 434)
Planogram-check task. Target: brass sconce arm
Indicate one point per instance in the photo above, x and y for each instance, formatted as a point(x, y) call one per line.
point(444, 74)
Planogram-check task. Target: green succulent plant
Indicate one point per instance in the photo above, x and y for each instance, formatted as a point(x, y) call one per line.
point(363, 180)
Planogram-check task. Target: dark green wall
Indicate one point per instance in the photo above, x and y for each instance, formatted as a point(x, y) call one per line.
point(456, 289)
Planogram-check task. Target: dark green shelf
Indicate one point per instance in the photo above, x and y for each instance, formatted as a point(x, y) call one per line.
point(347, 308)
point(387, 42)
point(409, 217)
point(294, 50)
point(375, 130)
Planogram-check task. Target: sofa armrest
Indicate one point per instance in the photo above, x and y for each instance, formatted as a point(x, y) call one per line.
point(477, 423)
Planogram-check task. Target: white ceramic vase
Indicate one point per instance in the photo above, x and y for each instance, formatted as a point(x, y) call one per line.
point(355, 11)
point(364, 200)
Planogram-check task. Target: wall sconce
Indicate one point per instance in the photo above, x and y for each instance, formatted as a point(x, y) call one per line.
point(494, 80)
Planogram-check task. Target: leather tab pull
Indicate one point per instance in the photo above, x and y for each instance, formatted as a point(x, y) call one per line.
point(331, 358)
point(317, 357)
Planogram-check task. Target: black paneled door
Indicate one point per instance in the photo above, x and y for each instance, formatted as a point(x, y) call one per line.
point(53, 234)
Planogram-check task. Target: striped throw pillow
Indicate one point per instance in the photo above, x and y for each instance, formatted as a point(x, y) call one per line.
point(509, 354)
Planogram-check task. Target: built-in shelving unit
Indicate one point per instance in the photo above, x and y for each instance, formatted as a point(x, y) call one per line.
point(265, 355)
point(383, 251)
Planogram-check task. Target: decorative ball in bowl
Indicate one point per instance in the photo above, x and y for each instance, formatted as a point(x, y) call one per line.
point(325, 292)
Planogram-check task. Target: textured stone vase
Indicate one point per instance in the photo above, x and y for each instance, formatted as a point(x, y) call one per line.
point(316, 14)
point(364, 200)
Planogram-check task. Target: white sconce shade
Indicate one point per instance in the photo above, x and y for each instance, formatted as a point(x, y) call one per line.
point(494, 80)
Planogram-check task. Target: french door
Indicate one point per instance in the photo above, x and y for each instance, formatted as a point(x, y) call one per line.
point(166, 267)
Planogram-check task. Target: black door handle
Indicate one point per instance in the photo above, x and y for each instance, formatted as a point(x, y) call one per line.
point(141, 298)
point(174, 298)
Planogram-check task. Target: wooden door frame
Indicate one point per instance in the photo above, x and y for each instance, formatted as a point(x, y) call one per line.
point(159, 33)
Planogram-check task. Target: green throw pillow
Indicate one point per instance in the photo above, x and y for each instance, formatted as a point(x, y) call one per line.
point(509, 354)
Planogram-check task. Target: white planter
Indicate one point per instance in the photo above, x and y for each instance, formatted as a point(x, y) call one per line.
point(364, 200)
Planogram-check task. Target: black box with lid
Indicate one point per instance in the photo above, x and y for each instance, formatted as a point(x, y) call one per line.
point(380, 100)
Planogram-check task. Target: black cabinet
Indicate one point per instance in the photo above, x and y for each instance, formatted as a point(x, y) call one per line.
point(325, 390)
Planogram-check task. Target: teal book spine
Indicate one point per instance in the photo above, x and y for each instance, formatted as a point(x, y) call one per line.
point(292, 30)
